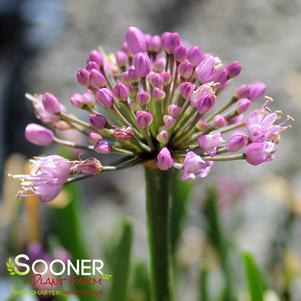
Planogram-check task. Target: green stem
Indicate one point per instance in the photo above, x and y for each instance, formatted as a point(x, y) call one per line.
point(158, 207)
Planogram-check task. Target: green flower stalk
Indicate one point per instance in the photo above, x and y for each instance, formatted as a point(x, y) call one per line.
point(153, 102)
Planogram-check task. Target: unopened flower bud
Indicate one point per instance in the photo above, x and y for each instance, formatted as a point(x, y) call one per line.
point(154, 44)
point(135, 40)
point(233, 69)
point(38, 134)
point(102, 147)
point(88, 167)
point(219, 121)
point(257, 153)
point(82, 77)
point(142, 64)
point(142, 97)
point(77, 100)
point(121, 92)
point(252, 91)
point(174, 110)
point(194, 56)
point(50, 103)
point(203, 99)
point(170, 41)
point(158, 94)
point(105, 97)
point(96, 79)
point(95, 56)
point(158, 65)
point(237, 141)
point(125, 133)
point(169, 121)
point(94, 137)
point(166, 78)
point(243, 105)
point(162, 137)
point(202, 125)
point(185, 69)
point(164, 159)
point(92, 66)
point(121, 58)
point(143, 119)
point(180, 53)
point(155, 79)
point(98, 121)
point(186, 89)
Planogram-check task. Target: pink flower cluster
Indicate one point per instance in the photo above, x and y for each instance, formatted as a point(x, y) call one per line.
point(156, 99)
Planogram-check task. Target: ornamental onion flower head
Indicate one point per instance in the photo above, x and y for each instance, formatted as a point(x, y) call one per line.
point(154, 101)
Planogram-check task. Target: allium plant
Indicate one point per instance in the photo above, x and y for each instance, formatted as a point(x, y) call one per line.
point(154, 102)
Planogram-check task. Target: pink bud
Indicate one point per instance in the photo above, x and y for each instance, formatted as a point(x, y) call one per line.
point(170, 41)
point(186, 89)
point(252, 91)
point(38, 135)
point(88, 97)
point(154, 44)
point(88, 167)
point(219, 121)
point(143, 119)
point(202, 125)
point(142, 64)
point(82, 76)
point(243, 105)
point(180, 53)
point(158, 65)
point(237, 141)
point(50, 103)
point(174, 110)
point(169, 121)
point(155, 79)
point(121, 58)
point(203, 99)
point(97, 80)
point(77, 100)
point(105, 97)
point(95, 56)
point(164, 159)
point(98, 121)
point(121, 92)
point(194, 56)
point(142, 97)
point(162, 137)
point(233, 69)
point(166, 77)
point(125, 133)
point(158, 94)
point(92, 65)
point(185, 69)
point(125, 48)
point(135, 40)
point(257, 153)
point(94, 137)
point(102, 147)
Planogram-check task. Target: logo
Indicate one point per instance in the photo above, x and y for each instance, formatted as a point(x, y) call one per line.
point(59, 276)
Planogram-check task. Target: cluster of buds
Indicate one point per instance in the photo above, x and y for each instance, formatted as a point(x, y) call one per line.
point(154, 102)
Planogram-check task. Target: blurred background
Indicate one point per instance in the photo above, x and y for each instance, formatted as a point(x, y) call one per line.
point(257, 210)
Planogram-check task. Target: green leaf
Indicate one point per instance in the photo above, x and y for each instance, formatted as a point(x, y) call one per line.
point(203, 283)
point(218, 241)
point(141, 281)
point(256, 283)
point(121, 266)
point(10, 267)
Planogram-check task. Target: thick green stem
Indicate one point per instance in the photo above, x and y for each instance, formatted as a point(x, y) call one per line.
point(158, 209)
